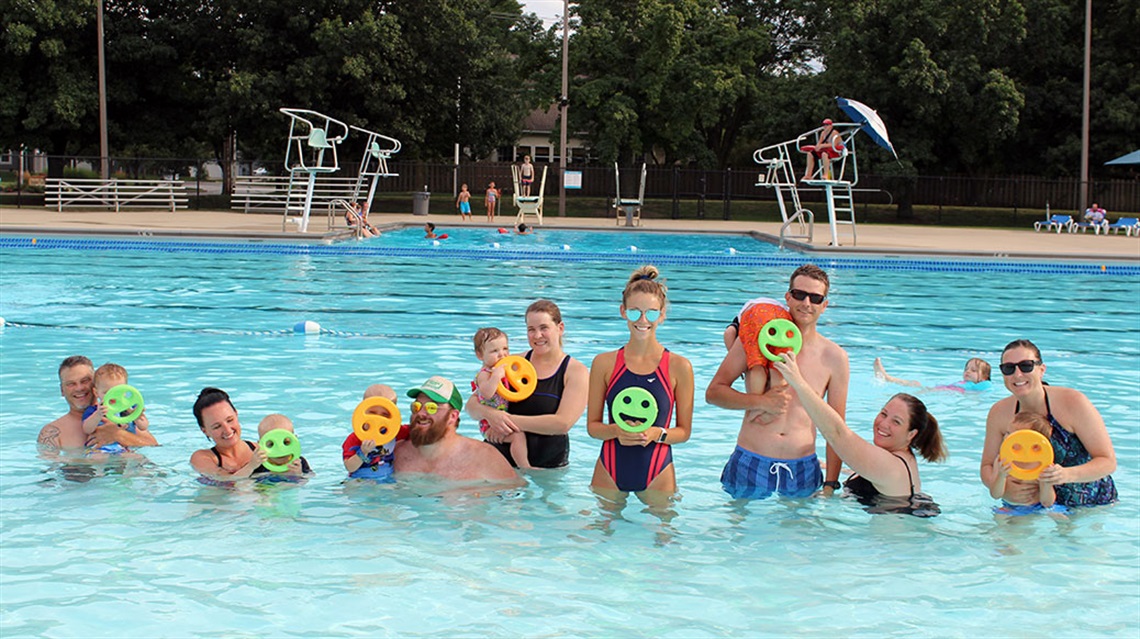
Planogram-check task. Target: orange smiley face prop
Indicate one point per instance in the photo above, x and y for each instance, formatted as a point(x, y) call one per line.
point(519, 378)
point(380, 429)
point(1028, 453)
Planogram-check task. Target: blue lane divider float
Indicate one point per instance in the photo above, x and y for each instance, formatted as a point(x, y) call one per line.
point(963, 265)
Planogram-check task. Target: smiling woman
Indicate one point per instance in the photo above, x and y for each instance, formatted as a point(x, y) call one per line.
point(231, 457)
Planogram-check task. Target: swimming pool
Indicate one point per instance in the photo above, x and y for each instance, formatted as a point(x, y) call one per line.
point(147, 551)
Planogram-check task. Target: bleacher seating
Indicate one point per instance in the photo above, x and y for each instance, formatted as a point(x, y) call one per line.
point(116, 194)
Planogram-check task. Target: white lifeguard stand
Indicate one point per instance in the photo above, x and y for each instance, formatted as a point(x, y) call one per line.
point(378, 149)
point(528, 203)
point(313, 139)
point(629, 206)
point(781, 175)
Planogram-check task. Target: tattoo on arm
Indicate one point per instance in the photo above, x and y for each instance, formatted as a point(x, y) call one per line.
point(49, 436)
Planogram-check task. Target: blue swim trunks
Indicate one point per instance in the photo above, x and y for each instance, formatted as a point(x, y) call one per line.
point(751, 476)
point(1017, 510)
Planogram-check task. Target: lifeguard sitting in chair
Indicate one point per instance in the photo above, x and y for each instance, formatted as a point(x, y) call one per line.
point(828, 145)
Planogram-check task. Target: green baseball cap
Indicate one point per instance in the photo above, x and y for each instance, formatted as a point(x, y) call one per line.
point(440, 390)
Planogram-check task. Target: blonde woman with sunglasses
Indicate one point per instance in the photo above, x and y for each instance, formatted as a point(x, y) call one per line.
point(1082, 450)
point(645, 388)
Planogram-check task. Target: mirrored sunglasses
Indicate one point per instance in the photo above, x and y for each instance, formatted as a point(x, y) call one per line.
point(431, 407)
point(635, 315)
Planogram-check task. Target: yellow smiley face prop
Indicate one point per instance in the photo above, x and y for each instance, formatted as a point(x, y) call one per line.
point(1028, 453)
point(519, 378)
point(381, 429)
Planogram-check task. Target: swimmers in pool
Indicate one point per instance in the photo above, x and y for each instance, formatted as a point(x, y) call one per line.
point(1016, 500)
point(295, 467)
point(886, 475)
point(365, 459)
point(491, 346)
point(1084, 457)
point(523, 229)
point(230, 457)
point(775, 449)
point(107, 377)
point(645, 387)
point(975, 377)
point(557, 402)
point(76, 386)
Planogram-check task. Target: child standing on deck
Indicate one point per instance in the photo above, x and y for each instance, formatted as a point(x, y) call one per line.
point(492, 198)
point(463, 203)
point(491, 346)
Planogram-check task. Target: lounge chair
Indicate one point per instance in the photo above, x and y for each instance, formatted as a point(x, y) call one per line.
point(1129, 225)
point(1097, 227)
point(1059, 221)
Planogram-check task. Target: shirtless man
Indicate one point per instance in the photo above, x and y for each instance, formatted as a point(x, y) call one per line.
point(435, 446)
point(76, 385)
point(775, 450)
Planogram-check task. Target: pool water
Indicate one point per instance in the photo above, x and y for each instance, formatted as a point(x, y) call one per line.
point(142, 549)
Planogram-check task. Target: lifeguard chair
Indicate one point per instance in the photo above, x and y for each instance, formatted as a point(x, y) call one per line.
point(528, 203)
point(311, 150)
point(378, 149)
point(629, 206)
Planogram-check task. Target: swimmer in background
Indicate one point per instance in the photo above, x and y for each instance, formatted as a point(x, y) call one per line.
point(491, 345)
point(1012, 491)
point(523, 229)
point(463, 203)
point(297, 467)
point(975, 377)
point(107, 377)
point(429, 231)
point(364, 459)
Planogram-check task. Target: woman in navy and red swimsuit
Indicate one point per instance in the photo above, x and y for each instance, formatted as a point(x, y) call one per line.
point(1083, 456)
point(639, 461)
point(557, 402)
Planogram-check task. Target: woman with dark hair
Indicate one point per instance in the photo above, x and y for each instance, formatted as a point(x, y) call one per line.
point(557, 402)
point(1083, 456)
point(886, 471)
point(231, 457)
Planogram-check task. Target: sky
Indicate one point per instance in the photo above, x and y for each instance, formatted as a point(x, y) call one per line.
point(549, 10)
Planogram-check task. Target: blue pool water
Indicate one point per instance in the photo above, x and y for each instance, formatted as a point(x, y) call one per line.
point(147, 551)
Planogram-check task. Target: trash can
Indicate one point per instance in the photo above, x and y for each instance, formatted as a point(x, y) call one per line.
point(420, 202)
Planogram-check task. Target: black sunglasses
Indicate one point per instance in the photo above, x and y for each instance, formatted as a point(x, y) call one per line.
point(799, 296)
point(1026, 366)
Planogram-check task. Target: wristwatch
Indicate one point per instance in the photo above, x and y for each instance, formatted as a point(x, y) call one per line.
point(661, 437)
point(834, 484)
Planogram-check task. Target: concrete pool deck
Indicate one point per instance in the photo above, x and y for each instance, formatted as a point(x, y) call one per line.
point(875, 239)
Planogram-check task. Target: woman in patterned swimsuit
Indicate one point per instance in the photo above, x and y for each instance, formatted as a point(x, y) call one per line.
point(1082, 449)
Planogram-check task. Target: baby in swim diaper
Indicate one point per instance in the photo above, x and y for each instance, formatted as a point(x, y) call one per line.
point(107, 377)
point(491, 346)
point(1006, 487)
point(298, 466)
point(753, 316)
point(364, 459)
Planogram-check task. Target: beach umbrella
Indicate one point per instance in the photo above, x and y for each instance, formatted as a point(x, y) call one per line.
point(869, 121)
point(1129, 158)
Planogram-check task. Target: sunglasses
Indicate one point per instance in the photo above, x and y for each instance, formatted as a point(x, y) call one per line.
point(635, 315)
point(1026, 366)
point(431, 407)
point(799, 296)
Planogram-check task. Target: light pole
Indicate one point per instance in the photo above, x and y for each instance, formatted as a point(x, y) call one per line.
point(104, 155)
point(564, 107)
point(1083, 204)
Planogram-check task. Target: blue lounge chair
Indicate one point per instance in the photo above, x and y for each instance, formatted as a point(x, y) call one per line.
point(1097, 227)
point(1129, 225)
point(1059, 221)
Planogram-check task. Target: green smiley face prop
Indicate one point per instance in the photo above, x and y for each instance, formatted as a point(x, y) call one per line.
point(634, 409)
point(124, 404)
point(779, 336)
point(280, 443)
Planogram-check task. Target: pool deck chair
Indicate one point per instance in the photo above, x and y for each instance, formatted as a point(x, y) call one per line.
point(531, 204)
point(313, 139)
point(1097, 227)
point(378, 149)
point(1055, 222)
point(781, 175)
point(629, 206)
point(1130, 226)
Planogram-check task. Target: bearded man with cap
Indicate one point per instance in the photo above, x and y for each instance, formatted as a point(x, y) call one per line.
point(435, 446)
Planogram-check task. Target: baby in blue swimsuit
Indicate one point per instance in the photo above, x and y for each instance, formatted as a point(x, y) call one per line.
point(107, 377)
point(1003, 486)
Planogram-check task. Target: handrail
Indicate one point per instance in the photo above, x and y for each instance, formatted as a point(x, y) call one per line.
point(798, 217)
point(333, 204)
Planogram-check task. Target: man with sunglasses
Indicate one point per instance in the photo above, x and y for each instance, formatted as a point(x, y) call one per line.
point(435, 446)
point(775, 450)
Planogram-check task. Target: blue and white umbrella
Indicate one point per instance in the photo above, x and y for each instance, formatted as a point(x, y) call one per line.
point(869, 121)
point(1128, 158)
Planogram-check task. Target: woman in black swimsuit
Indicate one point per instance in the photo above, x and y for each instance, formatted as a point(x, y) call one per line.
point(231, 457)
point(557, 403)
point(888, 466)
